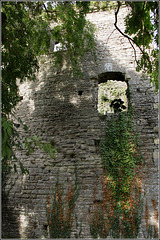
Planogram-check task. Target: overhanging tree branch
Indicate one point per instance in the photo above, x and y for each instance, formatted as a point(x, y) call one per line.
point(48, 11)
point(130, 39)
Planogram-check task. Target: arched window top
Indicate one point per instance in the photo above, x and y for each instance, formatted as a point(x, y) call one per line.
point(104, 77)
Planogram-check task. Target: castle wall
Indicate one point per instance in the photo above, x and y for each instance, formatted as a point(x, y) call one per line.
point(64, 112)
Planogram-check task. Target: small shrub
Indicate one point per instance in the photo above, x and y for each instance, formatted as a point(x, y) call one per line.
point(61, 211)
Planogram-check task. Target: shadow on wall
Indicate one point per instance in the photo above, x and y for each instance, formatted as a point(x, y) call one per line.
point(64, 110)
point(10, 217)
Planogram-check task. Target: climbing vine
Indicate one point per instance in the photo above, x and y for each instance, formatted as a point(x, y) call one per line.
point(119, 212)
point(121, 153)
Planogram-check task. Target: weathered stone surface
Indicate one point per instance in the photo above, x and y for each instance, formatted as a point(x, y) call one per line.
point(65, 111)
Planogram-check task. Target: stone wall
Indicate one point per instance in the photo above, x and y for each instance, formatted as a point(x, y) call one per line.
point(64, 112)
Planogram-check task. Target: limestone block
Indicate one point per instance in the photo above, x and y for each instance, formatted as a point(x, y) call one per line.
point(156, 105)
point(155, 154)
point(156, 130)
point(156, 141)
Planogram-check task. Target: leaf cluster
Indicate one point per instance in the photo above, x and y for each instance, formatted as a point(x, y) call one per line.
point(117, 105)
point(138, 22)
point(33, 142)
point(102, 5)
point(120, 154)
point(23, 38)
point(10, 140)
point(142, 24)
point(119, 213)
point(73, 32)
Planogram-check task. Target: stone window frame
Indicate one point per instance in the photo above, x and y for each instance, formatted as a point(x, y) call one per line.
point(117, 76)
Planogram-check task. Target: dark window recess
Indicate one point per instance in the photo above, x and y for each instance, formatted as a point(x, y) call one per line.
point(97, 145)
point(103, 77)
point(97, 201)
point(45, 227)
point(80, 93)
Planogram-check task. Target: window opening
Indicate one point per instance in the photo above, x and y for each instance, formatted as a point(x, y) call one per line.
point(80, 93)
point(112, 97)
point(97, 145)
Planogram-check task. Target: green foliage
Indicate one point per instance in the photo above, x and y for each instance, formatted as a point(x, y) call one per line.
point(25, 36)
point(108, 93)
point(102, 5)
point(60, 212)
point(117, 105)
point(119, 213)
point(142, 24)
point(32, 142)
point(74, 32)
point(120, 153)
point(10, 140)
point(139, 10)
point(23, 39)
point(108, 218)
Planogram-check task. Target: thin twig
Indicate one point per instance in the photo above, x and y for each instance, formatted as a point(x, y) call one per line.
point(135, 55)
point(129, 38)
point(48, 11)
point(110, 35)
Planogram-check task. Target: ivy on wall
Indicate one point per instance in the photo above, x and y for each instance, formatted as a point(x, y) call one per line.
point(121, 152)
point(119, 212)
